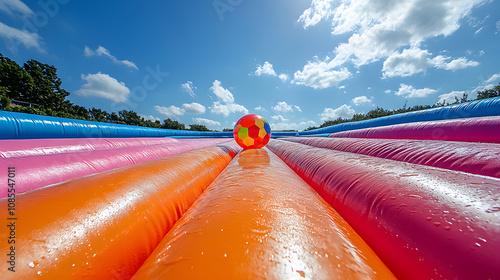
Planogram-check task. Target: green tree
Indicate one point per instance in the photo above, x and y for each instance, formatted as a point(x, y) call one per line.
point(489, 93)
point(98, 115)
point(47, 91)
point(4, 99)
point(198, 127)
point(16, 81)
point(170, 124)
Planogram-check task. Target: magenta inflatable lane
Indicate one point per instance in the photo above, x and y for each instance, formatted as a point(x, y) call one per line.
point(475, 158)
point(38, 147)
point(482, 129)
point(423, 222)
point(38, 171)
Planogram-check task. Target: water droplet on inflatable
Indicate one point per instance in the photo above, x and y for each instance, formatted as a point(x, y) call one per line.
point(437, 224)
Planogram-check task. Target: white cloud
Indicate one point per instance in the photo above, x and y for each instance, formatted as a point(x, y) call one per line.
point(407, 63)
point(193, 108)
point(260, 108)
point(206, 122)
point(266, 69)
point(297, 108)
point(11, 7)
point(456, 64)
point(226, 109)
point(319, 75)
point(450, 97)
point(26, 38)
point(103, 86)
point(283, 77)
point(283, 107)
point(320, 9)
point(101, 51)
point(189, 88)
point(343, 111)
point(410, 92)
point(169, 112)
point(387, 91)
point(150, 117)
point(279, 118)
point(221, 93)
point(225, 105)
point(360, 100)
point(291, 125)
point(498, 27)
point(377, 29)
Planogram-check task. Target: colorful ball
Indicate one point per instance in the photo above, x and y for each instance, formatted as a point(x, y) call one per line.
point(252, 132)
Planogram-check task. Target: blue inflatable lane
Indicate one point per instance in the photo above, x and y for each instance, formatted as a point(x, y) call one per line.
point(478, 108)
point(27, 126)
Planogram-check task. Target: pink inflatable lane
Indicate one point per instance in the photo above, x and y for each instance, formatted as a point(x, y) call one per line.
point(38, 171)
point(483, 129)
point(38, 147)
point(476, 158)
point(423, 222)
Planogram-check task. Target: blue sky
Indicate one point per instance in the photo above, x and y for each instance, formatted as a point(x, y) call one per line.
point(297, 63)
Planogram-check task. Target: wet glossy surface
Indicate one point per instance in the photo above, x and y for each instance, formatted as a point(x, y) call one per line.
point(105, 226)
point(38, 171)
point(259, 220)
point(476, 158)
point(424, 222)
point(484, 129)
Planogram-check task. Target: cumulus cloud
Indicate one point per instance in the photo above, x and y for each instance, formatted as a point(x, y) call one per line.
point(410, 92)
point(101, 51)
point(487, 84)
point(360, 100)
point(221, 93)
point(149, 118)
point(189, 88)
point(414, 60)
point(266, 69)
point(193, 108)
point(206, 122)
point(284, 107)
point(12, 7)
point(283, 77)
point(174, 111)
point(498, 26)
point(225, 104)
point(377, 29)
point(320, 75)
point(451, 97)
point(291, 125)
point(260, 108)
point(343, 111)
point(279, 118)
point(169, 112)
point(103, 86)
point(24, 37)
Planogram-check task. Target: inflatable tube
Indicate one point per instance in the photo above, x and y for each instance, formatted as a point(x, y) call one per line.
point(476, 158)
point(105, 226)
point(38, 171)
point(27, 126)
point(259, 220)
point(423, 222)
point(486, 129)
point(38, 147)
point(478, 108)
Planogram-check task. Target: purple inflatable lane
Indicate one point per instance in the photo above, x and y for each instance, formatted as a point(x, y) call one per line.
point(475, 158)
point(38, 147)
point(423, 222)
point(33, 172)
point(483, 129)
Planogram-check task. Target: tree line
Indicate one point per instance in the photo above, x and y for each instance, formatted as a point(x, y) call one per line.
point(35, 88)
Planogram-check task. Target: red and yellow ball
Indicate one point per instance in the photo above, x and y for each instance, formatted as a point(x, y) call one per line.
point(252, 132)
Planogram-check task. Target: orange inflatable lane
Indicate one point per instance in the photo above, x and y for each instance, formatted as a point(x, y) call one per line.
point(105, 226)
point(259, 220)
